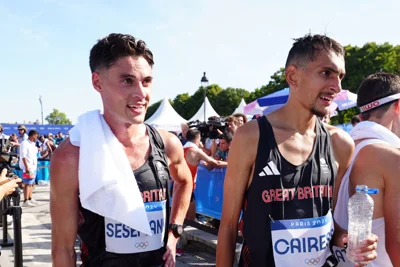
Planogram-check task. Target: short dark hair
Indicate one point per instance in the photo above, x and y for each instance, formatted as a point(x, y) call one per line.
point(115, 46)
point(306, 49)
point(32, 133)
point(355, 119)
point(192, 134)
point(375, 87)
point(227, 136)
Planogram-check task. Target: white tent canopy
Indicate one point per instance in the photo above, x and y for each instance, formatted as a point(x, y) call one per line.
point(166, 118)
point(200, 113)
point(240, 108)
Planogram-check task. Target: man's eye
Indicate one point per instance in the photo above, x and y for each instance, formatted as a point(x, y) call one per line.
point(128, 81)
point(326, 73)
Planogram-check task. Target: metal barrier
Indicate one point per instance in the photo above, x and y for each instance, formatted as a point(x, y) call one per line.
point(15, 211)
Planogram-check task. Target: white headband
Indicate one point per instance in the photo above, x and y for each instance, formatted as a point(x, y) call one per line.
point(379, 102)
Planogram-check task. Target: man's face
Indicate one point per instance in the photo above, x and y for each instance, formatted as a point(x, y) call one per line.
point(223, 145)
point(35, 137)
point(125, 89)
point(240, 121)
point(318, 83)
point(185, 129)
point(21, 132)
point(231, 126)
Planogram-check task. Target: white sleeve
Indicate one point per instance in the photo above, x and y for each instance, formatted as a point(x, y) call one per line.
point(23, 150)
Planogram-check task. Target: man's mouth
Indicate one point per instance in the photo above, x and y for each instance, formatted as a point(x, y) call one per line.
point(137, 107)
point(327, 98)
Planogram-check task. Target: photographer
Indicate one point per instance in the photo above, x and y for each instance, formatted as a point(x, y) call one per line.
point(7, 185)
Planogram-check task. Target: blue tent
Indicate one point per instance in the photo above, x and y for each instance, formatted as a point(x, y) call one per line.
point(279, 97)
point(42, 129)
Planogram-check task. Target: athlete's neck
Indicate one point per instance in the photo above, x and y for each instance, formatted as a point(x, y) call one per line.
point(125, 133)
point(388, 123)
point(297, 118)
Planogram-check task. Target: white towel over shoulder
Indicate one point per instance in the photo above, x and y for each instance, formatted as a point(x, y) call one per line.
point(107, 185)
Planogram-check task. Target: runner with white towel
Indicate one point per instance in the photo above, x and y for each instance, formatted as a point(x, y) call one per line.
point(375, 163)
point(110, 179)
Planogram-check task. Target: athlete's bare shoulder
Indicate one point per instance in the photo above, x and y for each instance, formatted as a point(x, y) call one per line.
point(249, 132)
point(343, 146)
point(340, 138)
point(66, 153)
point(380, 155)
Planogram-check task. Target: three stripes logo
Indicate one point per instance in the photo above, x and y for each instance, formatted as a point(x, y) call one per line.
point(270, 169)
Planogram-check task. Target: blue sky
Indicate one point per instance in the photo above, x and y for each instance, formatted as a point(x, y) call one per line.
point(45, 44)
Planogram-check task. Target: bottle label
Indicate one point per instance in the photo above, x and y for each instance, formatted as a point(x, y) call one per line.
point(305, 241)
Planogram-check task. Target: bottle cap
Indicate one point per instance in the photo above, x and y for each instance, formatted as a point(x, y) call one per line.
point(372, 191)
point(365, 189)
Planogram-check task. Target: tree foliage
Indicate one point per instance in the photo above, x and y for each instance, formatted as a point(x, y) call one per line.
point(360, 62)
point(57, 117)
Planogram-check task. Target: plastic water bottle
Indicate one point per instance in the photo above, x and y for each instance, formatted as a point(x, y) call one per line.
point(361, 209)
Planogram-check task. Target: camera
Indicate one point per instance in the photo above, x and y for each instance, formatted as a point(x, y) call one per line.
point(9, 161)
point(210, 128)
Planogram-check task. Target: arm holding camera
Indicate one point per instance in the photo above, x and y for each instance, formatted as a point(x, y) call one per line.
point(7, 185)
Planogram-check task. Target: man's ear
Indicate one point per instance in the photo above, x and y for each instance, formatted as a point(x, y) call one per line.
point(291, 76)
point(96, 82)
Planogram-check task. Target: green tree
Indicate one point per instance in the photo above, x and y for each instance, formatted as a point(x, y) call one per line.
point(57, 117)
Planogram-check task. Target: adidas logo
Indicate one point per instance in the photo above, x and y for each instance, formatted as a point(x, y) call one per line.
point(270, 169)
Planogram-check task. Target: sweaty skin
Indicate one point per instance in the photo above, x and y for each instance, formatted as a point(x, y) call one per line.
point(125, 89)
point(294, 129)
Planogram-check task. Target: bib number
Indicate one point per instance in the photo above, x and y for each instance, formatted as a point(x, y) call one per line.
point(124, 240)
point(302, 242)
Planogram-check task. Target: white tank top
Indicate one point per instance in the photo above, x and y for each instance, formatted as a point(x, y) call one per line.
point(341, 211)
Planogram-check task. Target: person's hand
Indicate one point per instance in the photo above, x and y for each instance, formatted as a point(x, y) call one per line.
point(367, 252)
point(170, 254)
point(9, 187)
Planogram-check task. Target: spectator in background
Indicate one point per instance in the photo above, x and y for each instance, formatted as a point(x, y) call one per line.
point(231, 124)
point(4, 141)
point(28, 164)
point(60, 138)
point(193, 155)
point(45, 148)
point(355, 120)
point(14, 143)
point(2, 135)
point(223, 150)
point(242, 119)
point(182, 135)
point(22, 134)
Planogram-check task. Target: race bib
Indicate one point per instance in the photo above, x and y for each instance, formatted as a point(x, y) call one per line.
point(302, 242)
point(340, 255)
point(124, 240)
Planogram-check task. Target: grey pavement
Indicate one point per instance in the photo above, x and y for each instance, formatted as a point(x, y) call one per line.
point(36, 239)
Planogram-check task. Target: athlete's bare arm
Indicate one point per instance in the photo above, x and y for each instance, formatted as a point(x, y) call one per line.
point(183, 186)
point(64, 207)
point(242, 155)
point(343, 148)
point(392, 207)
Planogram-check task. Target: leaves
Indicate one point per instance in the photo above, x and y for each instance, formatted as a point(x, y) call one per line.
point(57, 117)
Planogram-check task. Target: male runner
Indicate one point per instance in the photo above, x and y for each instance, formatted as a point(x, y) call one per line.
point(282, 169)
point(121, 68)
point(193, 155)
point(376, 164)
